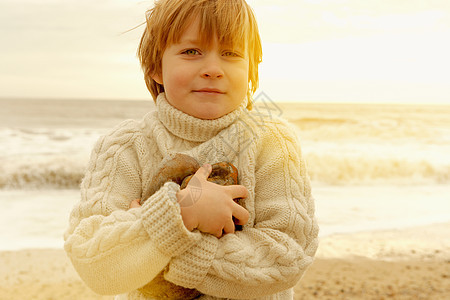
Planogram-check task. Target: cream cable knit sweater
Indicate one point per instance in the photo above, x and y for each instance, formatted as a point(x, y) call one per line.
point(117, 250)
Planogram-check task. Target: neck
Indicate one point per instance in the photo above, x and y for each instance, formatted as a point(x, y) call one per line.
point(191, 128)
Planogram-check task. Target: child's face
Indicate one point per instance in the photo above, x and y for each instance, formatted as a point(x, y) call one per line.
point(204, 82)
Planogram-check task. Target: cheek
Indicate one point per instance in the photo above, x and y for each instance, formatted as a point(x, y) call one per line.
point(240, 79)
point(177, 77)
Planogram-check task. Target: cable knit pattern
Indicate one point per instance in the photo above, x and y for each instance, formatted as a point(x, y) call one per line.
point(117, 250)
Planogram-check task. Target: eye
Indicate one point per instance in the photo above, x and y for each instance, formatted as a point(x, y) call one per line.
point(231, 54)
point(191, 52)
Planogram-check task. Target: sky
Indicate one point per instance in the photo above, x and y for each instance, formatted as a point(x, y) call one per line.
point(377, 51)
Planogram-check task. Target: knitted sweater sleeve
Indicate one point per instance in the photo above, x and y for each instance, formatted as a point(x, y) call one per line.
point(272, 255)
point(115, 249)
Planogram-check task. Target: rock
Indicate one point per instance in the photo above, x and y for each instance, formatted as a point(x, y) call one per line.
point(180, 168)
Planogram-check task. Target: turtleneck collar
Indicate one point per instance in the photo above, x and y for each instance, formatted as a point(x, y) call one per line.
point(191, 128)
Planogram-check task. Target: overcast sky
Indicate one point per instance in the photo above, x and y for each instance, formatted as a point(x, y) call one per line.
point(314, 50)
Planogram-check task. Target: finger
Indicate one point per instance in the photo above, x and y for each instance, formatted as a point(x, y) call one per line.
point(229, 227)
point(241, 214)
point(218, 234)
point(135, 203)
point(204, 171)
point(237, 191)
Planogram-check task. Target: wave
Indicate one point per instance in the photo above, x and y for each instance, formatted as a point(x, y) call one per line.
point(62, 172)
point(379, 130)
point(53, 172)
point(41, 147)
point(333, 169)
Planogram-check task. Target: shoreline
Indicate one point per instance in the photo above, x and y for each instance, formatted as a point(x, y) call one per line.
point(422, 243)
point(410, 263)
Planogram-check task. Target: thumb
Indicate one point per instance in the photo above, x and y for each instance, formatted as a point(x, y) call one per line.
point(204, 171)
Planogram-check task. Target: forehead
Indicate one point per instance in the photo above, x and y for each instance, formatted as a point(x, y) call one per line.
point(191, 33)
point(206, 34)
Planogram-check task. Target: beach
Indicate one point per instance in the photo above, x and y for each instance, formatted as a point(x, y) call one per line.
point(405, 264)
point(380, 178)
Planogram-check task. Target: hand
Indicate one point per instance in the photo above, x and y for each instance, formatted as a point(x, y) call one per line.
point(209, 207)
point(135, 203)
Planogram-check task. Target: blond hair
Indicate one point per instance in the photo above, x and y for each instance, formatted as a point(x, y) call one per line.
point(232, 21)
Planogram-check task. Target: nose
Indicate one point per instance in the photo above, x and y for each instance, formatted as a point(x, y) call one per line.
point(212, 67)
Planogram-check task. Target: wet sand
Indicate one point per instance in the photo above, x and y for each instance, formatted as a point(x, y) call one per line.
point(408, 264)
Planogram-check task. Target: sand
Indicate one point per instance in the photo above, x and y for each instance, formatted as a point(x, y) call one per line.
point(404, 264)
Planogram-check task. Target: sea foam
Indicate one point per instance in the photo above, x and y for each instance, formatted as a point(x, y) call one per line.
point(67, 171)
point(47, 144)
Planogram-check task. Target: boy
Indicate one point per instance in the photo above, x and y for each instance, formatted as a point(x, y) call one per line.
point(200, 60)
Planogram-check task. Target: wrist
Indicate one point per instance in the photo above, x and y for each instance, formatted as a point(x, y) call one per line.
point(187, 197)
point(187, 212)
point(172, 191)
point(161, 219)
point(180, 195)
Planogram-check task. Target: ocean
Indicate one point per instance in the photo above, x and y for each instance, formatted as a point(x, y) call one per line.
point(373, 166)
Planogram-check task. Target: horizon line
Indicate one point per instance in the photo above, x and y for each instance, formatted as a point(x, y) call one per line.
point(325, 102)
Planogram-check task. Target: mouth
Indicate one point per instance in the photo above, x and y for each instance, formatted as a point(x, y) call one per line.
point(209, 91)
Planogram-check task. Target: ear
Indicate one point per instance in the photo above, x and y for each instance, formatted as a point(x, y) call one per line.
point(158, 78)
